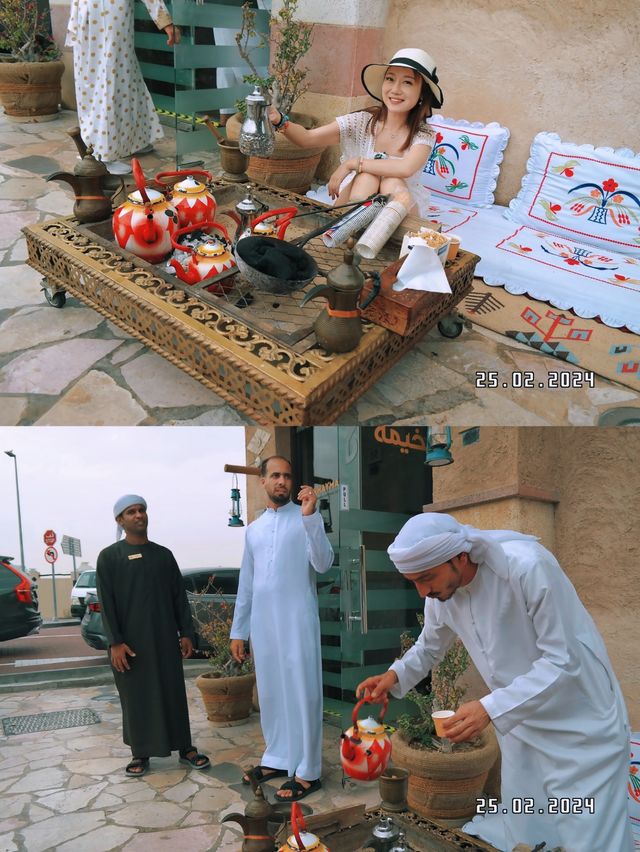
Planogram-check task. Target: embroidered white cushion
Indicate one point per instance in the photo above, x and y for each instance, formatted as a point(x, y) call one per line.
point(465, 160)
point(588, 194)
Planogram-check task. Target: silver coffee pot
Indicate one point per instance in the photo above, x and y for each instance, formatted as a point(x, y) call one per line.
point(257, 136)
point(385, 835)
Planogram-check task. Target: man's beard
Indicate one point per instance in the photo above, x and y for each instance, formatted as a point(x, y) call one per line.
point(280, 499)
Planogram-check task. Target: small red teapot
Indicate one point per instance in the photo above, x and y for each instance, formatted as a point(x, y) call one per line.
point(208, 259)
point(366, 747)
point(301, 838)
point(194, 203)
point(145, 222)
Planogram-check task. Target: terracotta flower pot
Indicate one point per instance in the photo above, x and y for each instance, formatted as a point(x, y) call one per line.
point(289, 167)
point(445, 786)
point(31, 89)
point(227, 700)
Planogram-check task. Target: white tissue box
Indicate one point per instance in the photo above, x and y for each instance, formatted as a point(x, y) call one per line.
point(426, 237)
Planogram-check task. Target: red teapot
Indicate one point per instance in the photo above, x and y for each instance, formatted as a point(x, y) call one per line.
point(145, 222)
point(194, 203)
point(366, 747)
point(301, 838)
point(208, 259)
point(260, 226)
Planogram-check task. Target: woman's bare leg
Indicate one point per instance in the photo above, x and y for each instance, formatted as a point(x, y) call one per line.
point(397, 189)
point(361, 187)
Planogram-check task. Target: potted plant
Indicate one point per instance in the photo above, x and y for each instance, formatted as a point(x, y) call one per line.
point(227, 689)
point(445, 779)
point(289, 167)
point(30, 63)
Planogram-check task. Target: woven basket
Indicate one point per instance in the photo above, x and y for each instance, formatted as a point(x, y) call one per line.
point(445, 786)
point(30, 88)
point(289, 167)
point(227, 700)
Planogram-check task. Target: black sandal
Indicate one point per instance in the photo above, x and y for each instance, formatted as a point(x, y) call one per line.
point(137, 767)
point(262, 773)
point(196, 761)
point(298, 790)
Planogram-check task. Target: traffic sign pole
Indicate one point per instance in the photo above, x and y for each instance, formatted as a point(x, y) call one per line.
point(51, 554)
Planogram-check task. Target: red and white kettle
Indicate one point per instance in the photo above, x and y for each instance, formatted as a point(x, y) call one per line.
point(145, 222)
point(192, 199)
point(208, 259)
point(366, 748)
point(301, 838)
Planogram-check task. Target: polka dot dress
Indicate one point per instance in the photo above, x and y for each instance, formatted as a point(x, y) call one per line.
point(115, 110)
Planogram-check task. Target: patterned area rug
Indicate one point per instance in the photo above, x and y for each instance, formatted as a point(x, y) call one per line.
point(591, 345)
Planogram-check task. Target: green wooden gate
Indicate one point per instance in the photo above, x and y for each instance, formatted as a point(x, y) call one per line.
point(181, 79)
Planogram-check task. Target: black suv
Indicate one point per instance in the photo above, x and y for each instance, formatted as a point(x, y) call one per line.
point(19, 614)
point(203, 593)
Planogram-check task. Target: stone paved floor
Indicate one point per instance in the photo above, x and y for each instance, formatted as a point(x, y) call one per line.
point(73, 367)
point(66, 790)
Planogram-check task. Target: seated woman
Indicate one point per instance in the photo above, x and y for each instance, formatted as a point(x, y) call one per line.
point(384, 148)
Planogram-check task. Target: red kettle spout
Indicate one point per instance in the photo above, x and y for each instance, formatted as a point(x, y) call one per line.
point(188, 275)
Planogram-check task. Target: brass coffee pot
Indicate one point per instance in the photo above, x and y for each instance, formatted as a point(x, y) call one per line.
point(254, 823)
point(338, 328)
point(89, 181)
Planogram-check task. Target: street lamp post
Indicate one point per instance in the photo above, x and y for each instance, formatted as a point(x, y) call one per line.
point(12, 455)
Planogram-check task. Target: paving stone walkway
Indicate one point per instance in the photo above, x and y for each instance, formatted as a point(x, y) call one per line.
point(73, 367)
point(66, 790)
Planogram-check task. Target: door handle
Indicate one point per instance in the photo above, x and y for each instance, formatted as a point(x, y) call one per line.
point(363, 589)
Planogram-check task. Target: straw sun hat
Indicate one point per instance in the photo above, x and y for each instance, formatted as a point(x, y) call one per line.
point(409, 57)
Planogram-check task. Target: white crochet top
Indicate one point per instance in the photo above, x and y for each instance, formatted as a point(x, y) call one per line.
point(357, 141)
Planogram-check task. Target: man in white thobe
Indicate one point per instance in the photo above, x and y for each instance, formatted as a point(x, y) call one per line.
point(277, 606)
point(555, 703)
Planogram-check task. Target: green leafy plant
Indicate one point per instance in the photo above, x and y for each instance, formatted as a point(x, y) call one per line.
point(24, 32)
point(213, 616)
point(291, 41)
point(446, 694)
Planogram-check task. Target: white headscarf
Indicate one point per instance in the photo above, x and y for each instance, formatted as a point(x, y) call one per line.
point(124, 503)
point(431, 539)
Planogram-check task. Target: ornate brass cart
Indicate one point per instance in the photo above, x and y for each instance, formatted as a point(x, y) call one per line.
point(256, 350)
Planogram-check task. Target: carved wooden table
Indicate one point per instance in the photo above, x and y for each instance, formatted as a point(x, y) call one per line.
point(256, 350)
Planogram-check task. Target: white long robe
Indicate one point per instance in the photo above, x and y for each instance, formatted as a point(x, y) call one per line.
point(115, 110)
point(277, 605)
point(555, 703)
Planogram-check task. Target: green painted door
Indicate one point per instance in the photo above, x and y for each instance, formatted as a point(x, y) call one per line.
point(182, 80)
point(372, 488)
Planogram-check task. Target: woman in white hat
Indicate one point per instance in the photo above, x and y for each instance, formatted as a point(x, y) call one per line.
point(383, 148)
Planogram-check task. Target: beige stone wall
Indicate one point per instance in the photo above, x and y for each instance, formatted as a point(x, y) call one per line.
point(531, 65)
point(592, 479)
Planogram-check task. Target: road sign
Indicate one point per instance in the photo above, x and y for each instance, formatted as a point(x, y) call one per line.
point(71, 546)
point(51, 554)
point(50, 537)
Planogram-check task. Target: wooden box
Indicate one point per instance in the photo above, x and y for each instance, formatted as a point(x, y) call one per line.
point(403, 311)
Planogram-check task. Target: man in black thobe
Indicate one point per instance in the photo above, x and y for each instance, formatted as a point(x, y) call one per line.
point(144, 611)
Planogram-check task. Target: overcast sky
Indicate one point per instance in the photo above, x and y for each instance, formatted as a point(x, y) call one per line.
point(69, 479)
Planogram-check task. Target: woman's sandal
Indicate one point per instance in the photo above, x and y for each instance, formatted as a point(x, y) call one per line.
point(137, 767)
point(196, 761)
point(298, 790)
point(263, 773)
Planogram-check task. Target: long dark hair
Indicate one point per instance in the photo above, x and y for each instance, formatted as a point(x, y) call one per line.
point(416, 119)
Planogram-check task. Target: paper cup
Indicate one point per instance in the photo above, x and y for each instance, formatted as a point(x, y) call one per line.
point(439, 717)
point(454, 245)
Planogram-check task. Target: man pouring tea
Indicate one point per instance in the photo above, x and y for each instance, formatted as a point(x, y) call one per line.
point(554, 702)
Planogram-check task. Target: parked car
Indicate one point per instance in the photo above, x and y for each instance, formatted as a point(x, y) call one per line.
point(19, 614)
point(206, 588)
point(84, 585)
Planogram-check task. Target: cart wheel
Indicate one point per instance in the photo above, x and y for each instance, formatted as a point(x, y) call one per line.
point(56, 298)
point(450, 326)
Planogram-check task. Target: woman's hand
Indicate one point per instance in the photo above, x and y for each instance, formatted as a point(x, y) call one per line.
point(275, 116)
point(337, 177)
point(173, 34)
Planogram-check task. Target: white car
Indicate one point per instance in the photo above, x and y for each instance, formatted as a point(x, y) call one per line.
point(85, 583)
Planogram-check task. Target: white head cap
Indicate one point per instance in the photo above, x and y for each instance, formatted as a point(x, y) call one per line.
point(124, 503)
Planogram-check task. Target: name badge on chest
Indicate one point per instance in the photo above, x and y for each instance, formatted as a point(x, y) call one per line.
point(135, 556)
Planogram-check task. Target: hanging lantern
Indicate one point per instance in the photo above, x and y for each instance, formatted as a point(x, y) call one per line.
point(236, 509)
point(438, 446)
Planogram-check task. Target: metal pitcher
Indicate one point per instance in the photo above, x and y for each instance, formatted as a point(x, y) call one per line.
point(257, 136)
